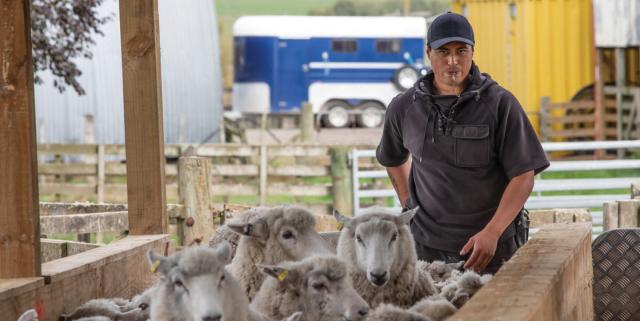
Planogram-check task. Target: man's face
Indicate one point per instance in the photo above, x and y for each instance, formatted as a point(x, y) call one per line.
point(451, 63)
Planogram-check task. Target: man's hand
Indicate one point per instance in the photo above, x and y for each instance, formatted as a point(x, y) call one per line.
point(484, 248)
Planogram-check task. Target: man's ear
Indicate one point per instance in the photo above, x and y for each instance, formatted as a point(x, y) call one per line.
point(257, 228)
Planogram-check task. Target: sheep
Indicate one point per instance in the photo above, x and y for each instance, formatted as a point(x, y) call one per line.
point(225, 233)
point(195, 285)
point(319, 286)
point(275, 235)
point(459, 289)
point(112, 309)
point(439, 270)
point(29, 315)
point(380, 250)
point(388, 312)
point(436, 308)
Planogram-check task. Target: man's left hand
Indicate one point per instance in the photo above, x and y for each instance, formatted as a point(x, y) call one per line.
point(484, 248)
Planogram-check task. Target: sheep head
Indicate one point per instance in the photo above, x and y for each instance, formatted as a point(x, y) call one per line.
point(287, 233)
point(377, 243)
point(324, 286)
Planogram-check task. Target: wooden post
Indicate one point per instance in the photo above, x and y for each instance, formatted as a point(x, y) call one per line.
point(306, 123)
point(628, 213)
point(264, 166)
point(620, 82)
point(144, 135)
point(100, 185)
point(610, 216)
point(19, 217)
point(194, 181)
point(544, 118)
point(342, 190)
point(89, 138)
point(599, 123)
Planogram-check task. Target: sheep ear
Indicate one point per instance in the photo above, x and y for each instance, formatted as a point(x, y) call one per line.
point(223, 252)
point(294, 317)
point(30, 315)
point(277, 272)
point(341, 219)
point(405, 217)
point(257, 229)
point(157, 262)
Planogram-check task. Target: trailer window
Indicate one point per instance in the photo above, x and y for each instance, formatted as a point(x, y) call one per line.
point(344, 45)
point(238, 54)
point(388, 45)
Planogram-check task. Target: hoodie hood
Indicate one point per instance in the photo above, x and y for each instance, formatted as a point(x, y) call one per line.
point(480, 82)
point(438, 119)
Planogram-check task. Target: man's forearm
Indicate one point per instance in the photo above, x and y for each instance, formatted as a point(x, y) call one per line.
point(399, 177)
point(512, 201)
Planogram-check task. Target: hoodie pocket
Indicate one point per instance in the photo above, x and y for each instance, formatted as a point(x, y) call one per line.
point(471, 145)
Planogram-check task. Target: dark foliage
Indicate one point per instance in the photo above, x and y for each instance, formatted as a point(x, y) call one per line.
point(62, 30)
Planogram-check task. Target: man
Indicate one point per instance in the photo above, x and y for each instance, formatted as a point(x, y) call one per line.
point(473, 153)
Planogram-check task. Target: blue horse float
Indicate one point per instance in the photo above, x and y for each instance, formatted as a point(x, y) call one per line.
point(348, 68)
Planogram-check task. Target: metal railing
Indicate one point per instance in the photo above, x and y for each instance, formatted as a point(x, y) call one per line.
point(540, 198)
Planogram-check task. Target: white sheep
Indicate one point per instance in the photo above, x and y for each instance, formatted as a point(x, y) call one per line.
point(113, 309)
point(460, 288)
point(390, 312)
point(225, 233)
point(380, 249)
point(436, 308)
point(29, 315)
point(274, 235)
point(319, 286)
point(440, 271)
point(195, 285)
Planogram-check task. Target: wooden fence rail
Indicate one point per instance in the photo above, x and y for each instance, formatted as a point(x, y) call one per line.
point(97, 173)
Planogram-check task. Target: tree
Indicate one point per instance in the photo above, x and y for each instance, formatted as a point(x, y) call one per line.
point(62, 30)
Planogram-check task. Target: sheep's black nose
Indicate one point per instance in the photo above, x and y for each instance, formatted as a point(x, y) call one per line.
point(378, 276)
point(212, 318)
point(363, 312)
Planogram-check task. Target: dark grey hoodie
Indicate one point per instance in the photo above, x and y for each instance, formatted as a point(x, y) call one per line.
point(463, 159)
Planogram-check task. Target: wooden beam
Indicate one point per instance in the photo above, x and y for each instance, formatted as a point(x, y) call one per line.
point(19, 234)
point(144, 135)
point(56, 249)
point(548, 279)
point(118, 269)
point(84, 223)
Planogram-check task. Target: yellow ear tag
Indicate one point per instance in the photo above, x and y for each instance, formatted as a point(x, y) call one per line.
point(283, 275)
point(154, 266)
point(340, 226)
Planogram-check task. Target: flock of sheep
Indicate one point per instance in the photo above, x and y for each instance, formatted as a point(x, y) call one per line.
point(271, 264)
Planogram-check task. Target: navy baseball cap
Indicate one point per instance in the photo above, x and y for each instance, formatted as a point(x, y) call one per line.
point(449, 27)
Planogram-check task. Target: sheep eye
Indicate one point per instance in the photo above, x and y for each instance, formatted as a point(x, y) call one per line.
point(394, 237)
point(178, 283)
point(318, 286)
point(287, 235)
point(358, 238)
point(143, 306)
point(222, 278)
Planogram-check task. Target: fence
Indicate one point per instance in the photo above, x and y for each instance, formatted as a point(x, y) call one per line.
point(249, 174)
point(550, 191)
point(575, 120)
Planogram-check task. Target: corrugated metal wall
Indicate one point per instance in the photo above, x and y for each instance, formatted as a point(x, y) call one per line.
point(534, 48)
point(621, 31)
point(191, 81)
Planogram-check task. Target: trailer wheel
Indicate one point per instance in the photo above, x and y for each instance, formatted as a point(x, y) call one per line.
point(336, 114)
point(371, 115)
point(405, 77)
